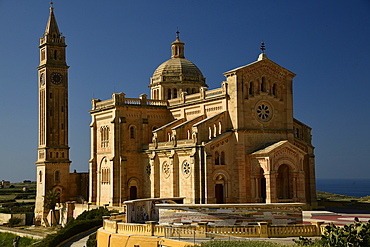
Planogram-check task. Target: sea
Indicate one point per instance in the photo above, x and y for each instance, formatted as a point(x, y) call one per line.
point(350, 187)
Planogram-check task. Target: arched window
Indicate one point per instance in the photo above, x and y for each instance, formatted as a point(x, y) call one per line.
point(209, 133)
point(251, 91)
point(263, 85)
point(56, 177)
point(154, 94)
point(219, 128)
point(193, 90)
point(297, 133)
point(175, 93)
point(274, 90)
point(104, 136)
point(188, 134)
point(188, 90)
point(223, 158)
point(214, 130)
point(40, 176)
point(132, 132)
point(217, 158)
point(169, 94)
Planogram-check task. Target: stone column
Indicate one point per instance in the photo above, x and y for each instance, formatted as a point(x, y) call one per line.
point(202, 229)
point(263, 230)
point(318, 227)
point(271, 187)
point(150, 227)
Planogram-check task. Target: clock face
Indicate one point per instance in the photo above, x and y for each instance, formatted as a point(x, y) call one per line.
point(264, 111)
point(56, 78)
point(42, 79)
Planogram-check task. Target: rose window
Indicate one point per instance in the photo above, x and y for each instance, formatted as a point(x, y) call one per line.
point(264, 111)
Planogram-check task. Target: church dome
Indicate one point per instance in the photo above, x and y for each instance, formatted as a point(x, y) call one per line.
point(178, 69)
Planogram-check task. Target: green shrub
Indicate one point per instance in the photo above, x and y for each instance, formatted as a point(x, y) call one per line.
point(14, 221)
point(73, 228)
point(356, 234)
point(91, 242)
point(97, 213)
point(87, 220)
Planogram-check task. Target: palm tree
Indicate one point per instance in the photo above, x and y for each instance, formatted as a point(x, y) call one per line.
point(50, 201)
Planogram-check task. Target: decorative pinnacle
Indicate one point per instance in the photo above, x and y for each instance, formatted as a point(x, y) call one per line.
point(263, 47)
point(51, 6)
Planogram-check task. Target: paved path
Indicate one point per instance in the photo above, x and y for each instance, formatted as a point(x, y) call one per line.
point(338, 218)
point(79, 241)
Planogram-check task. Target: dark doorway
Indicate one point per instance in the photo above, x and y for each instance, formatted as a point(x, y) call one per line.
point(284, 183)
point(133, 193)
point(219, 191)
point(263, 189)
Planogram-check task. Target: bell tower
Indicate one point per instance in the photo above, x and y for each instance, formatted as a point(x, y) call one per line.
point(53, 151)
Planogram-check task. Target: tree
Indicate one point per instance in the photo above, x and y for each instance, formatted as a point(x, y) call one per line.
point(50, 201)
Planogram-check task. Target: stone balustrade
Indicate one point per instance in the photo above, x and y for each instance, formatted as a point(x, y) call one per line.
point(203, 230)
point(214, 92)
point(120, 99)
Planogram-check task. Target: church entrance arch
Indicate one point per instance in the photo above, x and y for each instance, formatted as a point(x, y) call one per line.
point(220, 189)
point(133, 192)
point(133, 189)
point(284, 182)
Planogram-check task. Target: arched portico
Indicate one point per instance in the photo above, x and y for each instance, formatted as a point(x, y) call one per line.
point(279, 167)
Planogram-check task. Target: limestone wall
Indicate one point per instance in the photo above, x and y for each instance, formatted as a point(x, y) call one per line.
point(4, 218)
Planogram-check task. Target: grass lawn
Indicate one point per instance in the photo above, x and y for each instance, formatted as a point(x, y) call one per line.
point(6, 239)
point(344, 198)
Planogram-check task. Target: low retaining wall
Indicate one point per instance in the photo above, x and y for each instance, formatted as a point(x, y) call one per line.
point(4, 218)
point(108, 239)
point(203, 230)
point(231, 214)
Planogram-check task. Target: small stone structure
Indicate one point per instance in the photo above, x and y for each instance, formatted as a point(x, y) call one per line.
point(231, 214)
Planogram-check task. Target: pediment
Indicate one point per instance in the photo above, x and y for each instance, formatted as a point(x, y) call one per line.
point(277, 149)
point(264, 66)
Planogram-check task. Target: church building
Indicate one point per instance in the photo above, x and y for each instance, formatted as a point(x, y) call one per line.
point(238, 143)
point(235, 144)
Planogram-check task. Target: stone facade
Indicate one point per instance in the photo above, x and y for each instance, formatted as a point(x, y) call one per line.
point(235, 144)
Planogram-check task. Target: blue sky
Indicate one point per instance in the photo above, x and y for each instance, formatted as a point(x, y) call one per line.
point(115, 46)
